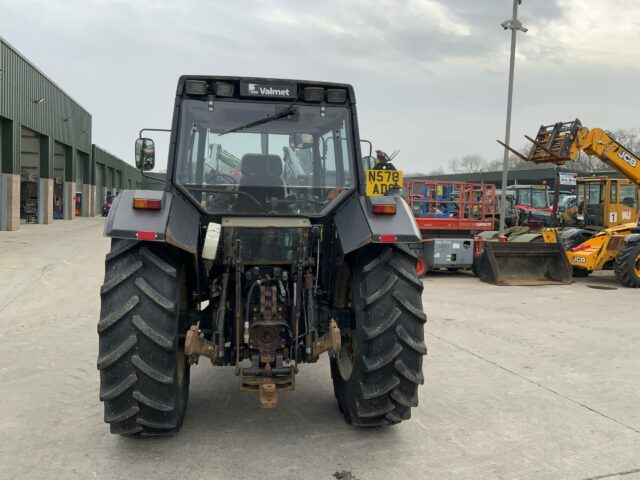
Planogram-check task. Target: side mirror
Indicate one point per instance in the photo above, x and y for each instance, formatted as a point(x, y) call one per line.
point(145, 154)
point(301, 140)
point(368, 162)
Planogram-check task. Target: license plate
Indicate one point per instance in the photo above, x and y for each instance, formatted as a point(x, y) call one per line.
point(380, 181)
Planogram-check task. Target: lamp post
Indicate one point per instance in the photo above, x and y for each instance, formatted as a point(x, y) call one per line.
point(514, 25)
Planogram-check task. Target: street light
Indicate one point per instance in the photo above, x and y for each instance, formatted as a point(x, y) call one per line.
point(514, 25)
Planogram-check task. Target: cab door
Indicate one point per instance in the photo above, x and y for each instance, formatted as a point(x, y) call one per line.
point(627, 206)
point(594, 204)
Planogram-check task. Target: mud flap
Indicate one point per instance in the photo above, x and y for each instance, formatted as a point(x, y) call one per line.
point(508, 263)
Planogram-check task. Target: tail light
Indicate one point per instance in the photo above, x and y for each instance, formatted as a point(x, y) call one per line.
point(147, 200)
point(147, 204)
point(384, 209)
point(382, 205)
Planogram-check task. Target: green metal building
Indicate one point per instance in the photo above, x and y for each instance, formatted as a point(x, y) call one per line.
point(110, 175)
point(48, 164)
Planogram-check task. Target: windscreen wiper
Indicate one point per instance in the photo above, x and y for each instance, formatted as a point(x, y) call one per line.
point(284, 113)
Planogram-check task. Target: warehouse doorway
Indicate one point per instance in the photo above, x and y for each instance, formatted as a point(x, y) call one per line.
point(29, 175)
point(100, 193)
point(58, 180)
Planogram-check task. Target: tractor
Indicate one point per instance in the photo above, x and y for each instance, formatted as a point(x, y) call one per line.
point(262, 252)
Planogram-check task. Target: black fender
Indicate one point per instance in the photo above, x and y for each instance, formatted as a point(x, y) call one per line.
point(177, 222)
point(572, 237)
point(357, 226)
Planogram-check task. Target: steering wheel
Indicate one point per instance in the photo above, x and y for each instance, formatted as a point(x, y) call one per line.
point(293, 201)
point(302, 201)
point(225, 178)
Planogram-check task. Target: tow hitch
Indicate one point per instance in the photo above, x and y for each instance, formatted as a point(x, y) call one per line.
point(265, 381)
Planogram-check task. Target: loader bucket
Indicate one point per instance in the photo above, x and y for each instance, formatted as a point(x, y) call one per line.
point(508, 263)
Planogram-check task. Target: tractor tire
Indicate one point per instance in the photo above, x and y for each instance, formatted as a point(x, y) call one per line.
point(144, 375)
point(378, 371)
point(627, 265)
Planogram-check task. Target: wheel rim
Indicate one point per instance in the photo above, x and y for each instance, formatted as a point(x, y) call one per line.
point(346, 357)
point(636, 265)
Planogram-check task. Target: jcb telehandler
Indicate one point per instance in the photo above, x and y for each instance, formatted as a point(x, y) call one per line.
point(602, 202)
point(616, 247)
point(261, 253)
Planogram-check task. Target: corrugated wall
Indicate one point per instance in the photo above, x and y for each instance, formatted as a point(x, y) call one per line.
point(117, 173)
point(58, 116)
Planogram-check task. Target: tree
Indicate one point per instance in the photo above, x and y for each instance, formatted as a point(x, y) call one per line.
point(587, 163)
point(628, 138)
point(468, 164)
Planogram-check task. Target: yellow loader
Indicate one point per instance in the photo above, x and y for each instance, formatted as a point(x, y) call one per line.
point(616, 247)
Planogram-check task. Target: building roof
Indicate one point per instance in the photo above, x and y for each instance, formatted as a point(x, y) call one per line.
point(26, 60)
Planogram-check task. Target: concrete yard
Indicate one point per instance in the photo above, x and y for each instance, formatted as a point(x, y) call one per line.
point(521, 383)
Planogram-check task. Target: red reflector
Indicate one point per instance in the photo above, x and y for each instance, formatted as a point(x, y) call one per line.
point(388, 238)
point(382, 209)
point(146, 235)
point(421, 267)
point(147, 204)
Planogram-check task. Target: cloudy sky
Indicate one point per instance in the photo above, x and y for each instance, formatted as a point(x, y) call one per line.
point(430, 75)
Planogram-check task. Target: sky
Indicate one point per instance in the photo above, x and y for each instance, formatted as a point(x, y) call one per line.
point(430, 76)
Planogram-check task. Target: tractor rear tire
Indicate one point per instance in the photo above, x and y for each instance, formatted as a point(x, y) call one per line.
point(627, 265)
point(144, 375)
point(379, 368)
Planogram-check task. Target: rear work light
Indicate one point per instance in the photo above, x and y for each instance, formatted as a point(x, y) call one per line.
point(384, 209)
point(224, 90)
point(196, 87)
point(313, 94)
point(147, 204)
point(336, 96)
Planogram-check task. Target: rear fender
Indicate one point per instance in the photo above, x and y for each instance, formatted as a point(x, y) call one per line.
point(357, 226)
point(176, 223)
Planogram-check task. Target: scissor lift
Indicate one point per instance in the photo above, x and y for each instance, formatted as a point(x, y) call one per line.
point(449, 215)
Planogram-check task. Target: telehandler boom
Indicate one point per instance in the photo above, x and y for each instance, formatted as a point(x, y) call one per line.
point(616, 247)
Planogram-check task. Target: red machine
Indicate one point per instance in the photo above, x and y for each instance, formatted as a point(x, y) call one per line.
point(449, 215)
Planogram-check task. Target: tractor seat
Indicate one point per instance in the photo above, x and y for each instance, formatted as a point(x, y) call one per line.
point(629, 202)
point(261, 178)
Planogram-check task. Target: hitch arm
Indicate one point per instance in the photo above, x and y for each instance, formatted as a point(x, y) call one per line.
point(330, 341)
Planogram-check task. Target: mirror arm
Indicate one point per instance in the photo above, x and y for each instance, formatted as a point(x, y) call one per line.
point(152, 130)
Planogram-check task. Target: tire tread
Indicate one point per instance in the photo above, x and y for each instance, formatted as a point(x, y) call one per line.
point(388, 361)
point(138, 331)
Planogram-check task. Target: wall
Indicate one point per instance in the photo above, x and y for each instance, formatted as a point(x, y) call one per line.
point(30, 99)
point(111, 175)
